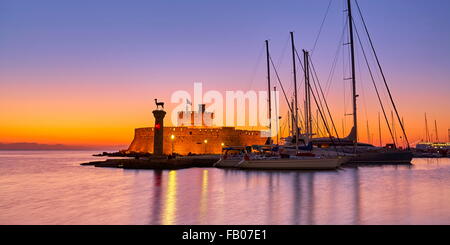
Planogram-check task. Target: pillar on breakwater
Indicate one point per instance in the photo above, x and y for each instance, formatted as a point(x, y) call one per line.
point(158, 138)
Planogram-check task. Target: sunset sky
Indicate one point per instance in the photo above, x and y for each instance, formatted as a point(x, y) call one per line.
point(86, 72)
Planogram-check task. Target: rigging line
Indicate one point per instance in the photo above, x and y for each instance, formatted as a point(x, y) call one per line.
point(324, 99)
point(321, 26)
point(359, 81)
point(360, 84)
point(315, 86)
point(283, 52)
point(302, 79)
point(282, 88)
point(301, 64)
point(345, 60)
point(376, 88)
point(314, 82)
point(280, 60)
point(335, 60)
point(281, 85)
point(284, 125)
point(252, 78)
point(299, 85)
point(316, 121)
point(323, 120)
point(317, 91)
point(382, 74)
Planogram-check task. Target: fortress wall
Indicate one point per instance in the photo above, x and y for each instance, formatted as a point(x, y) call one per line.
point(192, 140)
point(142, 141)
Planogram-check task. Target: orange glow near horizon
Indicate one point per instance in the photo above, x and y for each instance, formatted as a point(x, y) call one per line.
point(92, 113)
point(79, 76)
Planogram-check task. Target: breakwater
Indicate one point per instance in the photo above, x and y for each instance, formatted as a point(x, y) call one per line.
point(160, 163)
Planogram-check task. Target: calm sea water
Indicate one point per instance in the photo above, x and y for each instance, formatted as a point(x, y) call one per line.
point(50, 187)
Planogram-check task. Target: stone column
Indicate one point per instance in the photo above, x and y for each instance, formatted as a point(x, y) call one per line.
point(158, 138)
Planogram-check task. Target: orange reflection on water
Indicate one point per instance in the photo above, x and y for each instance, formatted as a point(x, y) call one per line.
point(170, 208)
point(51, 188)
point(204, 197)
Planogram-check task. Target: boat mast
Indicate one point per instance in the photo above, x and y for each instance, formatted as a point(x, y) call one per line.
point(317, 123)
point(295, 92)
point(427, 134)
point(352, 50)
point(379, 129)
point(308, 122)
point(436, 131)
point(402, 123)
point(276, 113)
point(289, 122)
point(268, 90)
point(292, 118)
point(393, 128)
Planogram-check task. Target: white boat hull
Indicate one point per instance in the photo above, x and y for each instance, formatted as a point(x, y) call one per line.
point(293, 163)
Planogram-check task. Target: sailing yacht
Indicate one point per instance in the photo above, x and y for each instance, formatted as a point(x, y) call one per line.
point(230, 156)
point(292, 163)
point(270, 156)
point(349, 146)
point(365, 153)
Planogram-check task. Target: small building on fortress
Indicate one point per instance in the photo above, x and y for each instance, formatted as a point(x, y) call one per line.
point(202, 139)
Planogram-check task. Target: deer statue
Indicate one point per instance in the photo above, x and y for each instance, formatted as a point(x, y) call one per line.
point(159, 104)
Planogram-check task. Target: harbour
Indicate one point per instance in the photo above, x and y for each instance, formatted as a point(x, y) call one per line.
point(173, 114)
point(49, 187)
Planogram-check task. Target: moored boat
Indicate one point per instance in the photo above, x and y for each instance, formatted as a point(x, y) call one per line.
point(292, 163)
point(230, 157)
point(383, 157)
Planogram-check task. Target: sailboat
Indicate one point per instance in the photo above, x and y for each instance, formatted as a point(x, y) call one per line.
point(432, 148)
point(365, 153)
point(292, 163)
point(277, 161)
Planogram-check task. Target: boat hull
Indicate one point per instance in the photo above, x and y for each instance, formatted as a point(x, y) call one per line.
point(396, 157)
point(228, 163)
point(293, 164)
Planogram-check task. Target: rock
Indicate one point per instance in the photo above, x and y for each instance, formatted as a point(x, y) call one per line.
point(156, 163)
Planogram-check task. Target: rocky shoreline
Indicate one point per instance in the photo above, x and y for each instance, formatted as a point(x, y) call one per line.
point(159, 163)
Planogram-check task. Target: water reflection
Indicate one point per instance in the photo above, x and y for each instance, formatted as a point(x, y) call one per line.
point(297, 207)
point(156, 204)
point(270, 196)
point(356, 196)
point(170, 208)
point(43, 188)
point(203, 213)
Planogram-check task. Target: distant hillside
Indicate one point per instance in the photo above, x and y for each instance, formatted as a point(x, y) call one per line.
point(37, 146)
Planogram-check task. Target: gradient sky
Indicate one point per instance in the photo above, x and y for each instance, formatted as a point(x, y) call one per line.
point(86, 72)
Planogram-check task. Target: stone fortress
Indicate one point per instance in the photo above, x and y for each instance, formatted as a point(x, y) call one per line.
point(184, 138)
